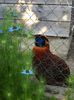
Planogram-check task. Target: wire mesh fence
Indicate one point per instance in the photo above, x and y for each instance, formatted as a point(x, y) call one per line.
point(52, 18)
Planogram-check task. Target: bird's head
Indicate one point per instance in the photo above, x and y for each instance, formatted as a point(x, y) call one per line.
point(41, 41)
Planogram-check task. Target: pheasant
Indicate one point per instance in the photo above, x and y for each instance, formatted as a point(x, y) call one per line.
point(52, 68)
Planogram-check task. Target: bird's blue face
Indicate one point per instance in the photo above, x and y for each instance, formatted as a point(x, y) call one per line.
point(39, 41)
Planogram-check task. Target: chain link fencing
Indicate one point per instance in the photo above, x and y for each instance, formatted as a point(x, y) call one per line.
point(52, 18)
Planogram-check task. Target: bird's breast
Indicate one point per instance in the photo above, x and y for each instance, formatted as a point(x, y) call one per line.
point(40, 51)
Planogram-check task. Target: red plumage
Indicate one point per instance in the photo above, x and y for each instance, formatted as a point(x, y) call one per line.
point(51, 67)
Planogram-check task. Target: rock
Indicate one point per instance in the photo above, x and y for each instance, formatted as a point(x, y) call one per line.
point(55, 91)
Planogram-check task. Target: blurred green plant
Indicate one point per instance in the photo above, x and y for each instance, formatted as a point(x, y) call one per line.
point(69, 94)
point(53, 98)
point(16, 66)
point(12, 25)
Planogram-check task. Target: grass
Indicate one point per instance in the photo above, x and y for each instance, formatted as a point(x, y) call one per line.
point(13, 84)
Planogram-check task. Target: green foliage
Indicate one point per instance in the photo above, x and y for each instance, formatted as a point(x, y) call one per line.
point(10, 20)
point(69, 94)
point(13, 84)
point(33, 90)
point(53, 98)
